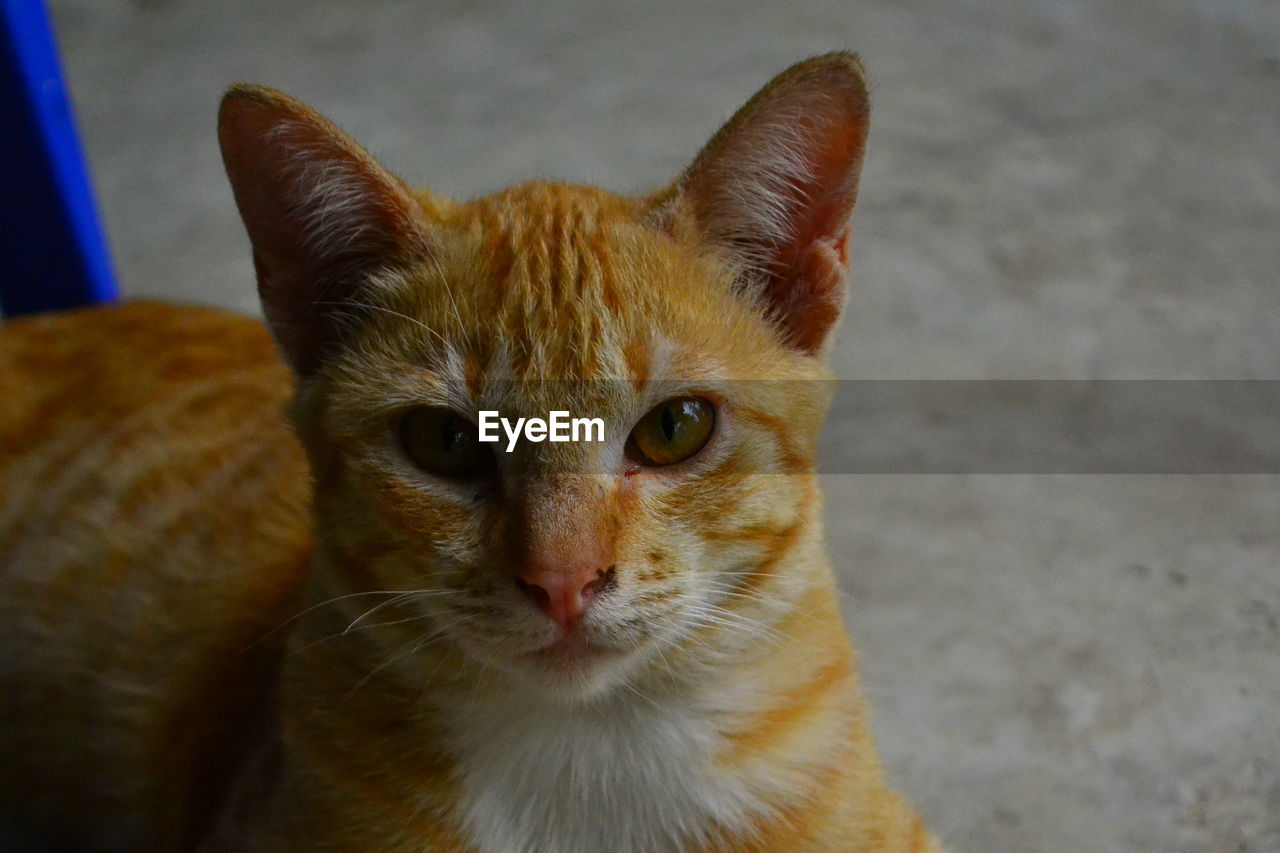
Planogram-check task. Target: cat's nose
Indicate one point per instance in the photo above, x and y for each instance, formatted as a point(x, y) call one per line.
point(565, 595)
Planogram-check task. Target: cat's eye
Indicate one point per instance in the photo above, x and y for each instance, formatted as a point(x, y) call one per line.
point(443, 442)
point(672, 431)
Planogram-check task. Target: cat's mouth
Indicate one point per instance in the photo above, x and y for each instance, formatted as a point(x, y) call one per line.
point(572, 653)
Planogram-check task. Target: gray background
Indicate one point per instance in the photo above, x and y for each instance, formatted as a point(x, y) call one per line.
point(1083, 189)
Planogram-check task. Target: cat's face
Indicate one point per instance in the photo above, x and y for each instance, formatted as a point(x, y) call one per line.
point(553, 298)
point(569, 566)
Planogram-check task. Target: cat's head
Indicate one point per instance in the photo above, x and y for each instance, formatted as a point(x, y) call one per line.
point(691, 322)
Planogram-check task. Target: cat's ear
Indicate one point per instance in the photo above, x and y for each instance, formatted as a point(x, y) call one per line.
point(322, 215)
point(774, 188)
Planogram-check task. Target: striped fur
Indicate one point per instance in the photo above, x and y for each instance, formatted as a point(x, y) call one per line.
point(220, 637)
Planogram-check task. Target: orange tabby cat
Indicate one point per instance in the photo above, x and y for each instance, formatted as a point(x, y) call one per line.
point(390, 636)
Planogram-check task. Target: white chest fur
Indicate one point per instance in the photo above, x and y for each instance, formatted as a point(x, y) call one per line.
point(623, 776)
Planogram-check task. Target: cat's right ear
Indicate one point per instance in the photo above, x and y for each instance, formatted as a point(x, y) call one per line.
point(321, 213)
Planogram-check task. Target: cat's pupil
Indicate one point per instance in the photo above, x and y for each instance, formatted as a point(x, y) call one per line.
point(672, 431)
point(454, 435)
point(668, 422)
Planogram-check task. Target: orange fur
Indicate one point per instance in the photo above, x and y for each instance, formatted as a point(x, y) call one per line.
point(189, 666)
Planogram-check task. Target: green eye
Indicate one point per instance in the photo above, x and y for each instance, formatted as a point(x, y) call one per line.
point(443, 442)
point(672, 431)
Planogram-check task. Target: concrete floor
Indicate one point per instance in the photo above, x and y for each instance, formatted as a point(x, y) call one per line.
point(1055, 189)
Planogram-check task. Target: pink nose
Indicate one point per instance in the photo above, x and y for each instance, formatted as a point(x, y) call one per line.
point(565, 595)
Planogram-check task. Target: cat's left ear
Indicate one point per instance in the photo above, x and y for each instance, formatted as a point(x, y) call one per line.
point(321, 213)
point(775, 187)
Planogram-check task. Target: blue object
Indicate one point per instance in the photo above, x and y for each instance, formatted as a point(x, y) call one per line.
point(52, 251)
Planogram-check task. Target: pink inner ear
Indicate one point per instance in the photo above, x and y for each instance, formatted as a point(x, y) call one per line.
point(809, 298)
point(805, 282)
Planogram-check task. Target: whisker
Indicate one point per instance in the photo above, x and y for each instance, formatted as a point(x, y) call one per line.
point(407, 648)
point(758, 599)
point(637, 692)
point(295, 617)
point(413, 595)
point(444, 282)
point(369, 307)
point(375, 609)
point(708, 615)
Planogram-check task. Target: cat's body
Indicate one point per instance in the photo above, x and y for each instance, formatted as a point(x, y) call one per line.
point(155, 524)
point(694, 691)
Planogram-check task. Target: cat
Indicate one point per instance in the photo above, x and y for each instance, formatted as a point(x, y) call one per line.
point(354, 627)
